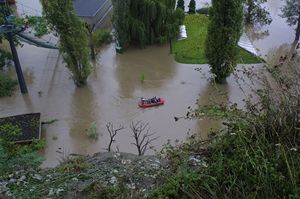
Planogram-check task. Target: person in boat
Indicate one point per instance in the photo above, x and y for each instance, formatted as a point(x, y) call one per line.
point(143, 100)
point(154, 99)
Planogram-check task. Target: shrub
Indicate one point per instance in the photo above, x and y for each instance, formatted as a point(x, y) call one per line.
point(91, 132)
point(15, 157)
point(101, 37)
point(7, 85)
point(96, 190)
point(74, 164)
point(4, 57)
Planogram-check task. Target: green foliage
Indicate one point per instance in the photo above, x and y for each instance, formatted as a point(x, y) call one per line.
point(192, 7)
point(180, 4)
point(8, 134)
point(101, 37)
point(73, 37)
point(178, 186)
point(72, 165)
point(39, 25)
point(91, 132)
point(142, 78)
point(256, 13)
point(7, 85)
point(22, 160)
point(191, 52)
point(145, 22)
point(15, 157)
point(4, 57)
point(224, 32)
point(96, 190)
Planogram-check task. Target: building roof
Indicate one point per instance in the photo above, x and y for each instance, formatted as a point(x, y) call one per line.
point(88, 8)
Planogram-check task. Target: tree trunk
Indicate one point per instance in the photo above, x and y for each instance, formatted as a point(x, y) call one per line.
point(296, 40)
point(297, 30)
point(90, 29)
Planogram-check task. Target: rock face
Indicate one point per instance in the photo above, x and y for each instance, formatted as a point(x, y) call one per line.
point(75, 176)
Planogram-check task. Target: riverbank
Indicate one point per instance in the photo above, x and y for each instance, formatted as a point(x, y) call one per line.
point(192, 49)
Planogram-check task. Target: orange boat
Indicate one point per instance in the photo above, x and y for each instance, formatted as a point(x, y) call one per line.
point(155, 101)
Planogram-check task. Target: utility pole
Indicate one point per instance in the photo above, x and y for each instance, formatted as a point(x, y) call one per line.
point(11, 30)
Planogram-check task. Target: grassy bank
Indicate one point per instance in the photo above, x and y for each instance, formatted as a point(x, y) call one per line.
point(192, 49)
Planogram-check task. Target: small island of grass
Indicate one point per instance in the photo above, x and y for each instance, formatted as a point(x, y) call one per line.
point(192, 49)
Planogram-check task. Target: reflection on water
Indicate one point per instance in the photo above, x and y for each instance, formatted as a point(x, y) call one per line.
point(266, 39)
point(213, 94)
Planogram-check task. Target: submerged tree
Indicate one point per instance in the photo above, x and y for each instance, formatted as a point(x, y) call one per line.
point(73, 38)
point(143, 22)
point(192, 7)
point(256, 13)
point(291, 11)
point(224, 31)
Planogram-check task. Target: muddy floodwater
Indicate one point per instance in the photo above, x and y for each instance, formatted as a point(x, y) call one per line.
point(111, 95)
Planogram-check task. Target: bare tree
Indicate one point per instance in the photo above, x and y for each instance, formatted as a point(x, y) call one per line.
point(142, 136)
point(112, 133)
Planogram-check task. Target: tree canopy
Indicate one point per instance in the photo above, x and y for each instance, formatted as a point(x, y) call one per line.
point(192, 7)
point(73, 37)
point(224, 31)
point(143, 22)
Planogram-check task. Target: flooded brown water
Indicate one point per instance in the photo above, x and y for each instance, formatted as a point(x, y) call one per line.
point(111, 95)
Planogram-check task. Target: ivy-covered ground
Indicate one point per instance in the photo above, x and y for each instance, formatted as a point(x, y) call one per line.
point(192, 49)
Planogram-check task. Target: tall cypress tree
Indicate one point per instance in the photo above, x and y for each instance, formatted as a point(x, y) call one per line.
point(180, 4)
point(73, 38)
point(224, 31)
point(192, 7)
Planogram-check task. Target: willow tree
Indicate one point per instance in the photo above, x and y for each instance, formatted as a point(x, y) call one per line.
point(224, 31)
point(144, 22)
point(73, 38)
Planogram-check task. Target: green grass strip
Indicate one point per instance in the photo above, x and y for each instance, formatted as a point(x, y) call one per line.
point(192, 49)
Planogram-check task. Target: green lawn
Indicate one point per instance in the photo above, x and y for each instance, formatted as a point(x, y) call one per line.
point(191, 50)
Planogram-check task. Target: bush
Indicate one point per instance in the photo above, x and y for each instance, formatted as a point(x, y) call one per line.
point(101, 37)
point(7, 85)
point(91, 132)
point(4, 57)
